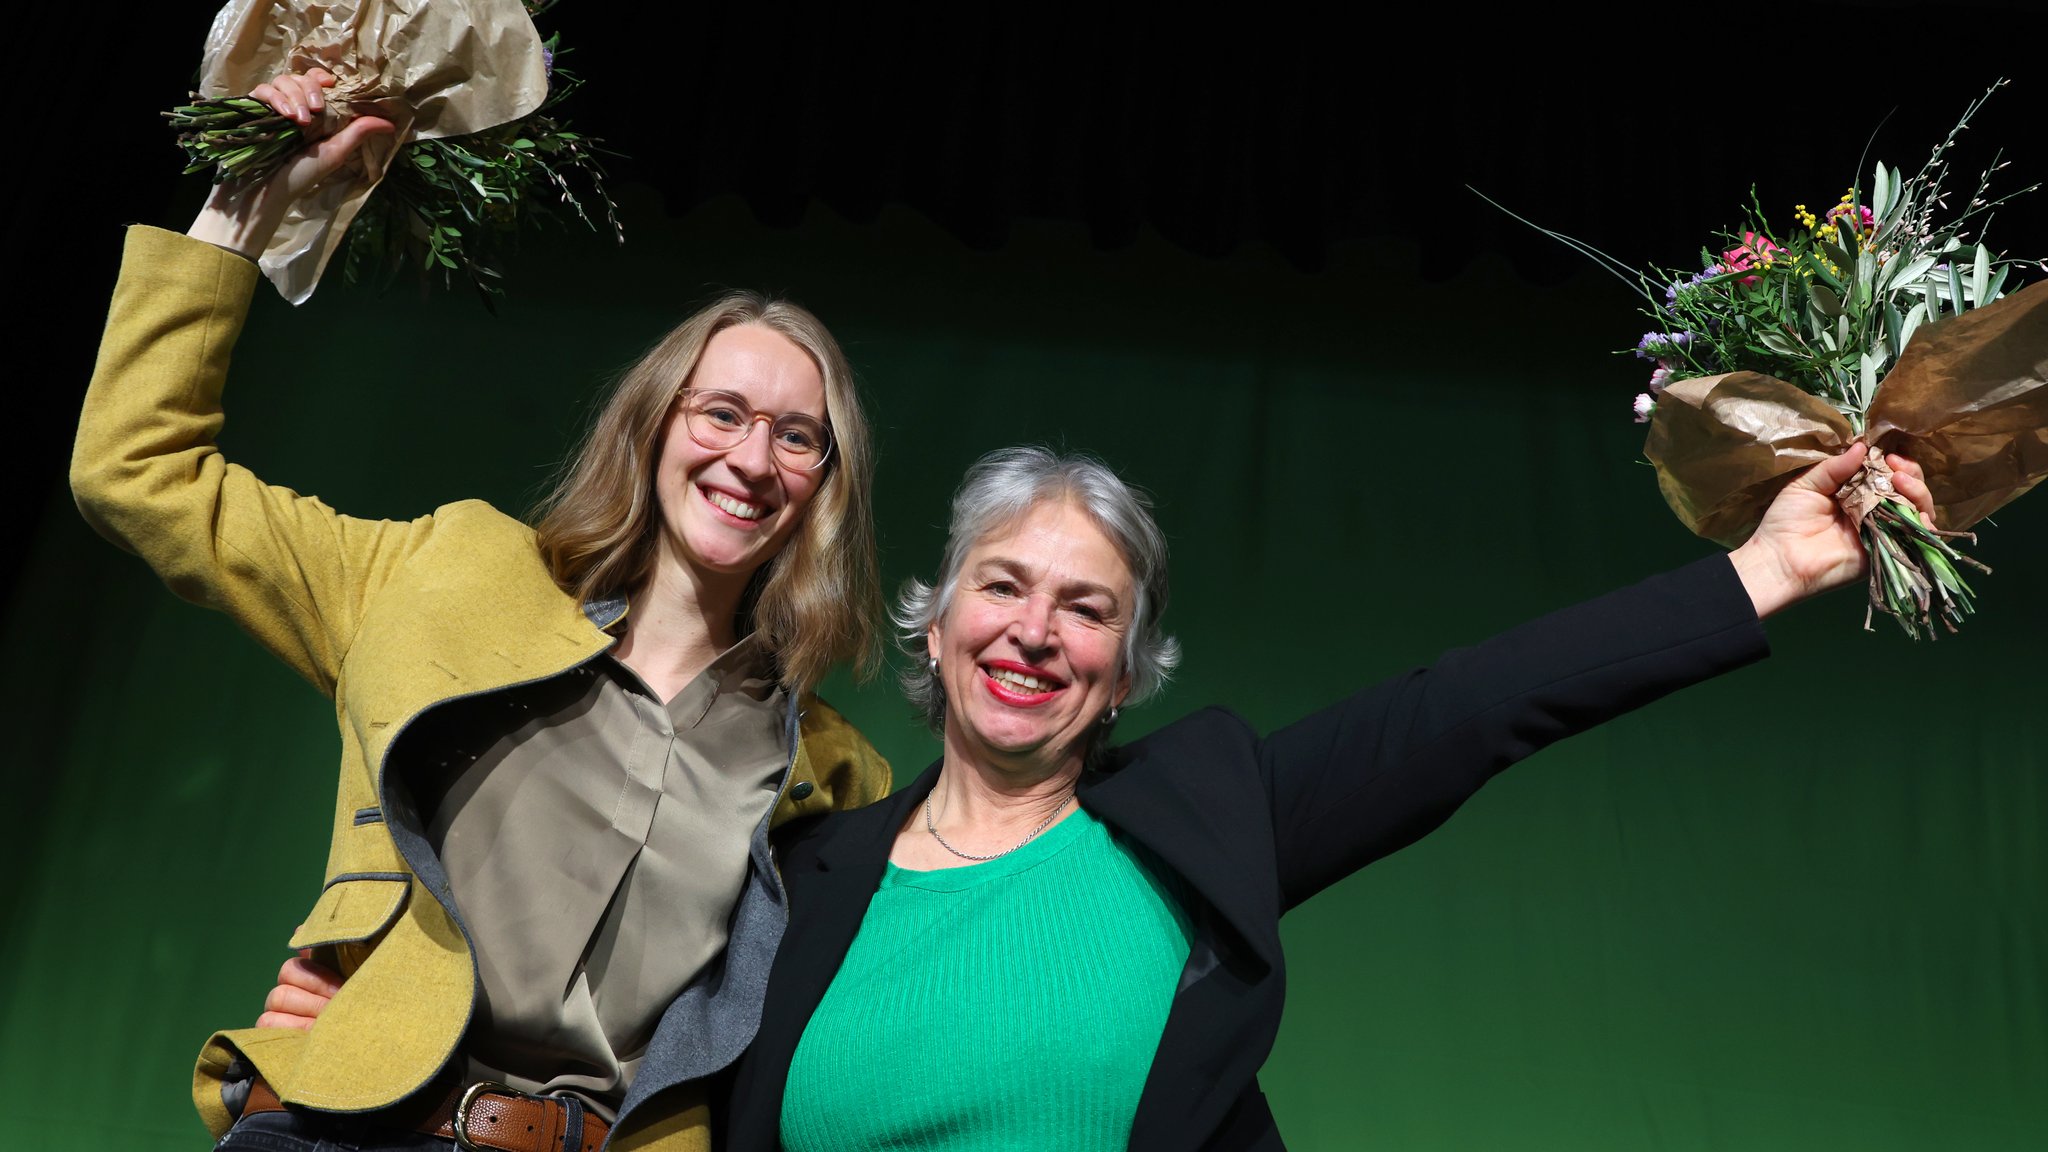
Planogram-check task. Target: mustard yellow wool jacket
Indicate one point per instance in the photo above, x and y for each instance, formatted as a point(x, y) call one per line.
point(389, 619)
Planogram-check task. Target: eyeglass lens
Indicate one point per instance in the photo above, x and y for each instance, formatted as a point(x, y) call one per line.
point(721, 420)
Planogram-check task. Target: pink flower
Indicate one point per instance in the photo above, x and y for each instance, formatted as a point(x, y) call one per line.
point(1644, 406)
point(1861, 222)
point(1659, 377)
point(1756, 247)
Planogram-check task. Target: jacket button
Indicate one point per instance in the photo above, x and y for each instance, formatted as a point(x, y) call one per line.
point(801, 790)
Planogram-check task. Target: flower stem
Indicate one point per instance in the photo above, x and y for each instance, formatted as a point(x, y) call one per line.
point(1913, 569)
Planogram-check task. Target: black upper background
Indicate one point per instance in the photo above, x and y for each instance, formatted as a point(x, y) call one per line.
point(1291, 128)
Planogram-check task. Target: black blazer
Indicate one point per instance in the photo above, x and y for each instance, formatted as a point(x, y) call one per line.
point(1256, 826)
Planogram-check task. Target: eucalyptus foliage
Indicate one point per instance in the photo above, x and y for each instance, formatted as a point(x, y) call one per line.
point(1830, 304)
point(455, 205)
point(448, 207)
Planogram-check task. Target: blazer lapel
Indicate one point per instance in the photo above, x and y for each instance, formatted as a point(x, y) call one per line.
point(831, 884)
point(1218, 1030)
point(1202, 838)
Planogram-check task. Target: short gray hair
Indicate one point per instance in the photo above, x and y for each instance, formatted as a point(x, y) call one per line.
point(997, 491)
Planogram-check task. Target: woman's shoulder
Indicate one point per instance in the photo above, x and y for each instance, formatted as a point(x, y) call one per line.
point(472, 548)
point(1210, 744)
point(1216, 728)
point(483, 518)
point(475, 534)
point(841, 762)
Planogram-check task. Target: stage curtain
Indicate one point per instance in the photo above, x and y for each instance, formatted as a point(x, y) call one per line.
point(1797, 908)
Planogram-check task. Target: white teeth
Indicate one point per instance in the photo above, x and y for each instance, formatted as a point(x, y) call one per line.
point(1019, 681)
point(738, 508)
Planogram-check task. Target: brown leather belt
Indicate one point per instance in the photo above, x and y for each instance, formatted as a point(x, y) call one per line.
point(483, 1115)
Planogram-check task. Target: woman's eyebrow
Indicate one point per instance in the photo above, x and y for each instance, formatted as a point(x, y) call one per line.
point(1068, 590)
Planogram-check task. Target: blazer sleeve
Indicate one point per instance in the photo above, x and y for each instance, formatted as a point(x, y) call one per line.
point(147, 475)
point(1387, 765)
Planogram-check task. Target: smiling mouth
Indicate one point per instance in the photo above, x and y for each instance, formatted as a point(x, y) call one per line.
point(1017, 683)
point(732, 507)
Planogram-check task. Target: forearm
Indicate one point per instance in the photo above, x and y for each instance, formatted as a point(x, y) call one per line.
point(145, 445)
point(240, 218)
point(1384, 767)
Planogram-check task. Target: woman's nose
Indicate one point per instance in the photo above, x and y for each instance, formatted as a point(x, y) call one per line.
point(1034, 620)
point(754, 455)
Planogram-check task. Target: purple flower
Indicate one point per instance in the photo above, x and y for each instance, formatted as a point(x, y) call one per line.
point(1672, 293)
point(1653, 345)
point(547, 61)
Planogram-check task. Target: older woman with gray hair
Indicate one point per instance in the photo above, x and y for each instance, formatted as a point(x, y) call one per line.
point(1051, 941)
point(997, 493)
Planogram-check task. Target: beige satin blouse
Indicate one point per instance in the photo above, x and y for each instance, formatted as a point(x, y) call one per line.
point(596, 841)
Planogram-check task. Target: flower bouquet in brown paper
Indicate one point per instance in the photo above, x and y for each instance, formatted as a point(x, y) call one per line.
point(479, 147)
point(1872, 321)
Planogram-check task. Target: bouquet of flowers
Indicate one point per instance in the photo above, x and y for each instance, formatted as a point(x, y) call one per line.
point(1874, 320)
point(481, 145)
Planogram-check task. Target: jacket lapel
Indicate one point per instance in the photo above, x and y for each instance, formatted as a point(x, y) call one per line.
point(830, 883)
point(831, 902)
point(1219, 1029)
point(1202, 838)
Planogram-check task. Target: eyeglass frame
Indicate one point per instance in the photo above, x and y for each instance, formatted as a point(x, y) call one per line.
point(752, 418)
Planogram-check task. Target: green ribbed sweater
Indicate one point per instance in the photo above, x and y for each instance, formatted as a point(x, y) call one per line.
point(1014, 1004)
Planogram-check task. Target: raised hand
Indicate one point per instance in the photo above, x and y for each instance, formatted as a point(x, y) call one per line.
point(241, 216)
point(1806, 543)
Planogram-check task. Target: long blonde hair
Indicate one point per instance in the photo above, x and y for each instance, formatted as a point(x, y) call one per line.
point(816, 602)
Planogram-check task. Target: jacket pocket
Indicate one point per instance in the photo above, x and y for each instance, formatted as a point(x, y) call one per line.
point(353, 908)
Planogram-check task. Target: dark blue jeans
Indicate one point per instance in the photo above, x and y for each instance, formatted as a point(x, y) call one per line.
point(302, 1132)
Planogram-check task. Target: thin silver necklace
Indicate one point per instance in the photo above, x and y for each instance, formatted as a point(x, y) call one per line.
point(932, 828)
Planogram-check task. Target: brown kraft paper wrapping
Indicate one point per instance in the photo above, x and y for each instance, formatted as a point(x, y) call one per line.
point(1967, 401)
point(434, 68)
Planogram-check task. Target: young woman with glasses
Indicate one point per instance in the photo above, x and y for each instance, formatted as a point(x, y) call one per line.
point(549, 886)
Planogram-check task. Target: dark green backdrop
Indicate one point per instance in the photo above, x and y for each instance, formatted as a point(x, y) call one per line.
point(1798, 908)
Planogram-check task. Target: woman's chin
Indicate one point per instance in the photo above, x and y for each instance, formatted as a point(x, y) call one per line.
point(1033, 748)
point(724, 551)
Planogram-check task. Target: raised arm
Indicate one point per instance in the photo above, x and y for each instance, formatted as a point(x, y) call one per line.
point(145, 469)
point(1387, 765)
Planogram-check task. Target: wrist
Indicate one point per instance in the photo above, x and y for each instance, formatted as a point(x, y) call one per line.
point(239, 217)
point(1770, 588)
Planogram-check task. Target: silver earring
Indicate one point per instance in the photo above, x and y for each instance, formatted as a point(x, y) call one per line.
point(1109, 717)
point(933, 663)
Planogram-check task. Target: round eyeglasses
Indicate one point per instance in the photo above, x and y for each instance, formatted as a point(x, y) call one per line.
point(722, 421)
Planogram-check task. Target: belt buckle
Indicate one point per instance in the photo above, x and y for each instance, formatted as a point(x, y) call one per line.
point(462, 1105)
